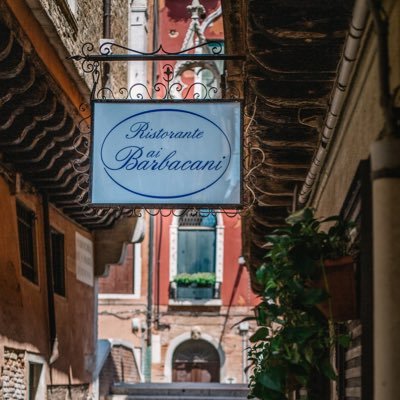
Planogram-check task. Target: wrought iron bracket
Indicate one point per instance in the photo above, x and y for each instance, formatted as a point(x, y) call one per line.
point(168, 87)
point(106, 53)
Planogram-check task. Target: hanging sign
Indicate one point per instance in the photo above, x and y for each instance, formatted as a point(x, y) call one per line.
point(167, 153)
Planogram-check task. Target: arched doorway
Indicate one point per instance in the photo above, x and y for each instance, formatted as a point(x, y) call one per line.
point(195, 361)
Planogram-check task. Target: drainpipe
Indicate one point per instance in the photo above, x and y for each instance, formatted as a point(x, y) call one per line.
point(106, 35)
point(49, 281)
point(158, 278)
point(155, 44)
point(147, 371)
point(244, 330)
point(351, 47)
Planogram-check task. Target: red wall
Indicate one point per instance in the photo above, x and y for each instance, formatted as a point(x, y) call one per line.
point(174, 16)
point(173, 25)
point(232, 250)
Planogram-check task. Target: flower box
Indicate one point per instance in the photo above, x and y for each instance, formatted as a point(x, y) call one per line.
point(195, 292)
point(340, 276)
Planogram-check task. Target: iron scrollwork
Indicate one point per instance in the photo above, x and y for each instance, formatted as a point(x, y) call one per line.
point(170, 86)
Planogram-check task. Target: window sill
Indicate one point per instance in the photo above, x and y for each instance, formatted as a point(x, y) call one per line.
point(192, 302)
point(118, 296)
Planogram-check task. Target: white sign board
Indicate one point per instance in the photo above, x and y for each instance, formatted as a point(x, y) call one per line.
point(167, 153)
point(84, 259)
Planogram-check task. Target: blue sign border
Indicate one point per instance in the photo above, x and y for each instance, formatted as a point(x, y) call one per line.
point(162, 104)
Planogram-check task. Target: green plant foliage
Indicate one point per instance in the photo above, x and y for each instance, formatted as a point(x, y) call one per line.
point(200, 279)
point(294, 339)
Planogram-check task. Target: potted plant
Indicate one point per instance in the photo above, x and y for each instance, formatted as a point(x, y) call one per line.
point(294, 340)
point(199, 285)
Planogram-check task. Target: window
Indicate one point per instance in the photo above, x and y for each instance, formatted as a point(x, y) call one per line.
point(35, 372)
point(27, 243)
point(69, 9)
point(196, 246)
point(209, 75)
point(57, 262)
point(36, 376)
point(123, 281)
point(196, 243)
point(72, 6)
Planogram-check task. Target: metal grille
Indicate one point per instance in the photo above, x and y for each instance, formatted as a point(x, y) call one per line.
point(198, 218)
point(26, 233)
point(57, 261)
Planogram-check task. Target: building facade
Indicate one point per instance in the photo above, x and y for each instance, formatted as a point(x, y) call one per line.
point(183, 331)
point(49, 259)
point(322, 102)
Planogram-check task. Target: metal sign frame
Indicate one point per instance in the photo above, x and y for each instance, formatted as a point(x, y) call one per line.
point(92, 63)
point(175, 205)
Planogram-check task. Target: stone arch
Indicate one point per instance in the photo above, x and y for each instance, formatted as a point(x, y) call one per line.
point(178, 340)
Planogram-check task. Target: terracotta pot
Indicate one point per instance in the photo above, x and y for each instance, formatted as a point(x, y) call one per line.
point(342, 289)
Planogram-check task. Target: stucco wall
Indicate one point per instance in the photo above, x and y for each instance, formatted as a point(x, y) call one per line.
point(23, 317)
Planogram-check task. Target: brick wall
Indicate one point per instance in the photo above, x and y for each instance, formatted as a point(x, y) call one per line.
point(119, 367)
point(12, 380)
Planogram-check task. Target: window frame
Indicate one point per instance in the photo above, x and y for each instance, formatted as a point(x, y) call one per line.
point(137, 277)
point(69, 10)
point(173, 246)
point(31, 360)
point(55, 233)
point(29, 272)
point(195, 229)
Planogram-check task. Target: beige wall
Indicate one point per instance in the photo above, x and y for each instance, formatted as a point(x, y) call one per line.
point(360, 125)
point(361, 120)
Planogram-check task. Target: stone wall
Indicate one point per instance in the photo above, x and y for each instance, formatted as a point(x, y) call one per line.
point(70, 392)
point(12, 376)
point(86, 25)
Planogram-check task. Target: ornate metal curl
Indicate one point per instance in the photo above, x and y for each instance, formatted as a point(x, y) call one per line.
point(107, 48)
point(169, 87)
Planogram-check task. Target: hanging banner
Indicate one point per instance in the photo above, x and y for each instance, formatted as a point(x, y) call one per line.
point(167, 153)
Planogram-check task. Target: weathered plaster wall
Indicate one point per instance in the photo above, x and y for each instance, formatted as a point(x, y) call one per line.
point(232, 250)
point(75, 313)
point(211, 326)
point(23, 317)
point(86, 25)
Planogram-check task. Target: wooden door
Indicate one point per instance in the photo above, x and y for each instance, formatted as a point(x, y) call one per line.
point(195, 361)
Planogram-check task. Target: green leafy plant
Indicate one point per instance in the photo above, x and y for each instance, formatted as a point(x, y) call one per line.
point(200, 279)
point(294, 340)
